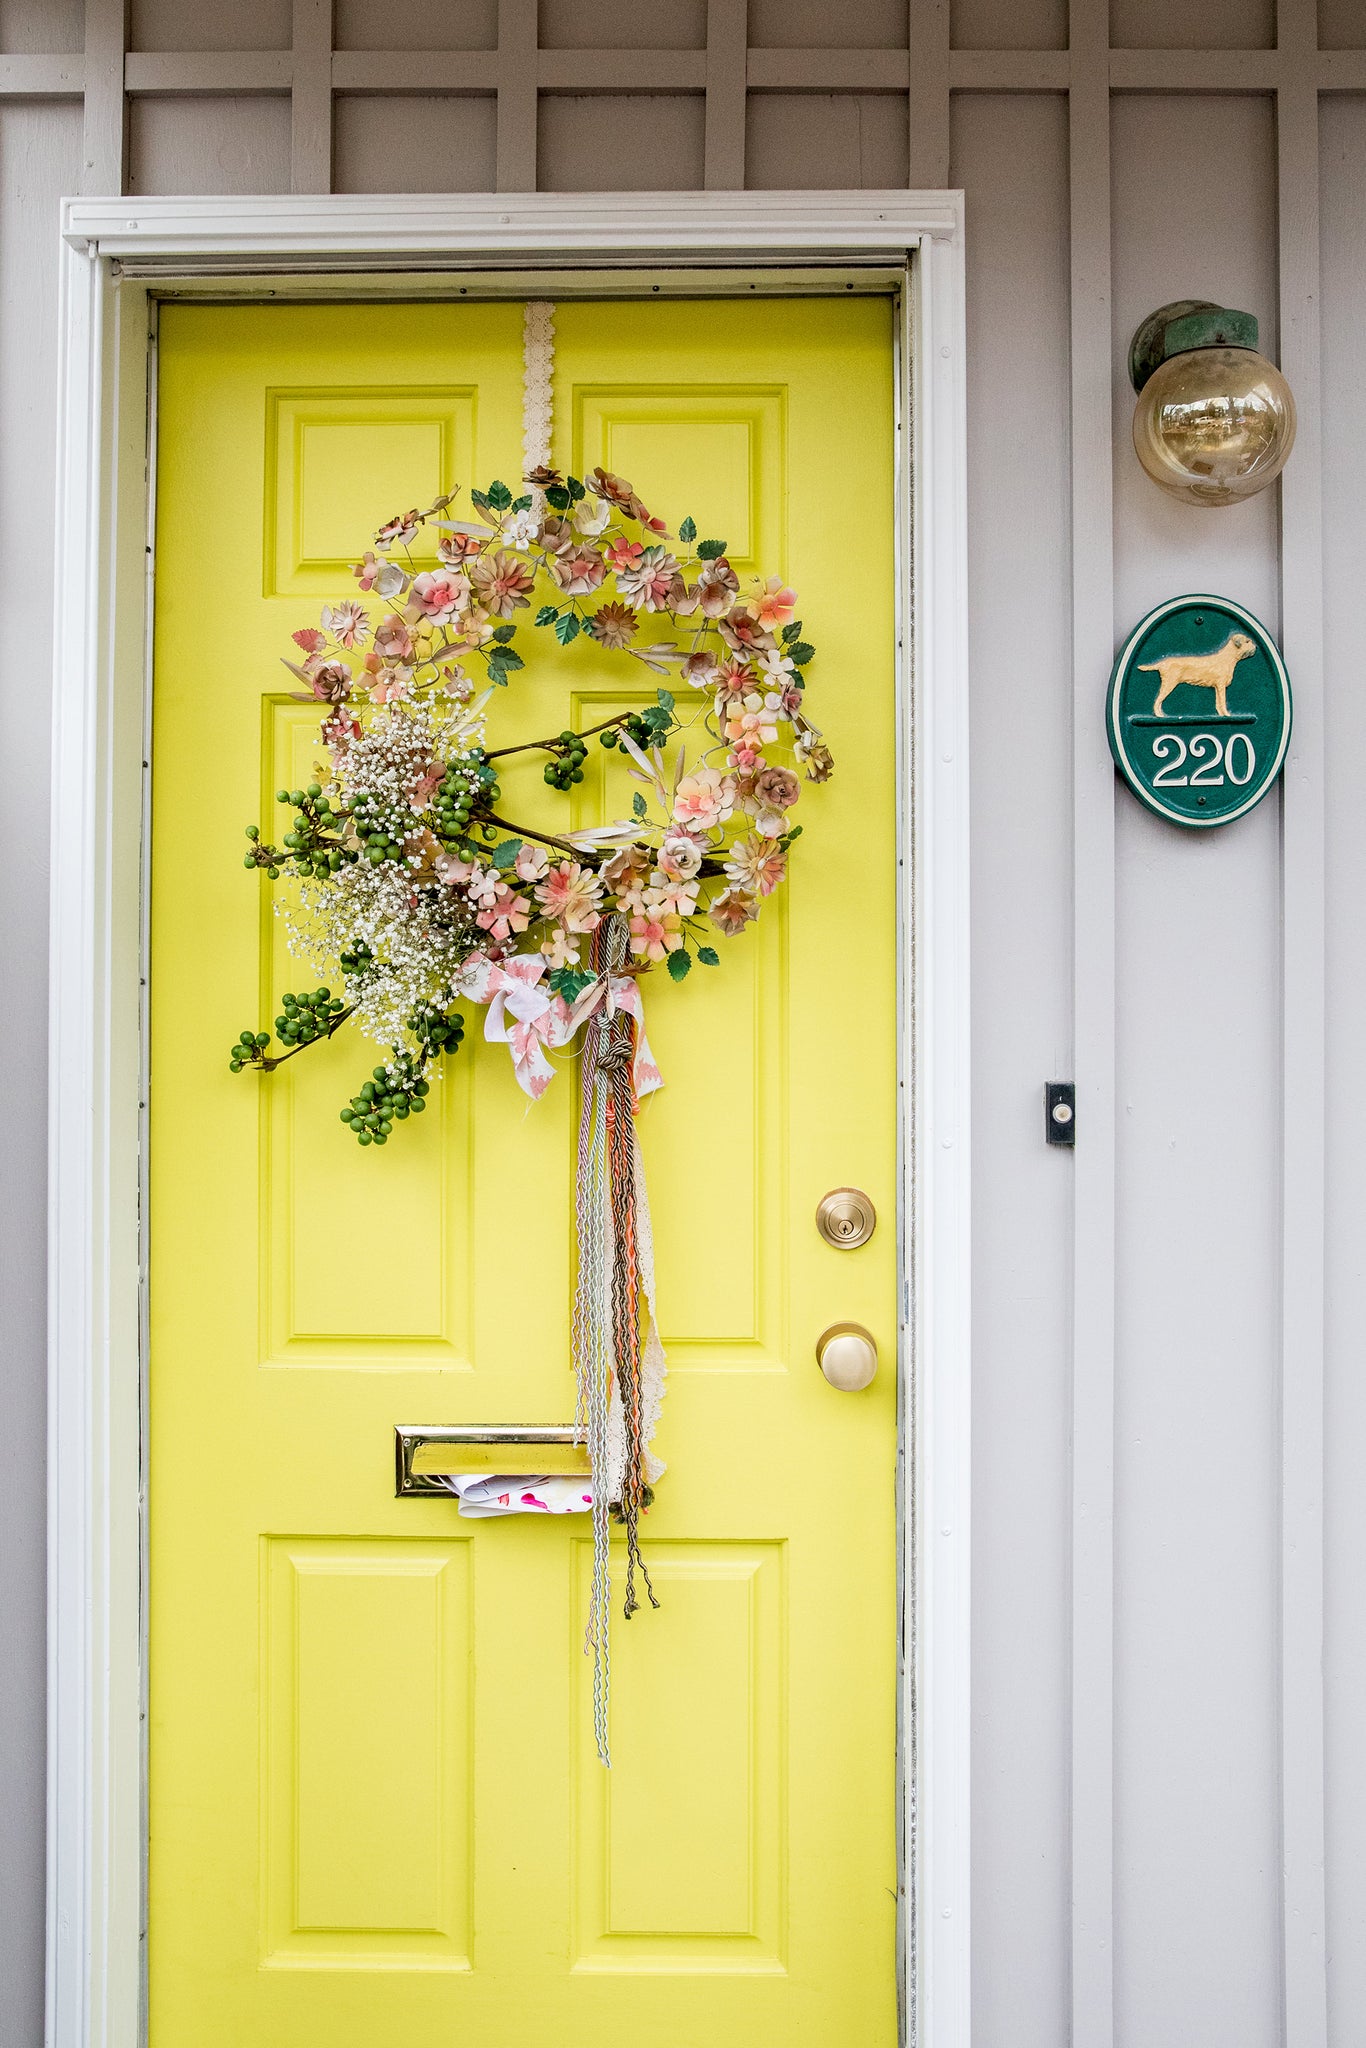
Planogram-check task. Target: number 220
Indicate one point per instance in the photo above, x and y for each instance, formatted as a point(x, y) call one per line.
point(1208, 753)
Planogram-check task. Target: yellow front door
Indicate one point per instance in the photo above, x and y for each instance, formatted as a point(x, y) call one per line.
point(376, 1813)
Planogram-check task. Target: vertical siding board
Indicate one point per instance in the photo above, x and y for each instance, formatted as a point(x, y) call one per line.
point(310, 143)
point(41, 157)
point(104, 153)
point(929, 93)
point(1093, 970)
point(516, 95)
point(725, 132)
point(1010, 157)
point(1303, 1033)
point(1198, 1156)
point(1343, 158)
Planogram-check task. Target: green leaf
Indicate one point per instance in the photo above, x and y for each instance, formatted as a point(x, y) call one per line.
point(567, 628)
point(680, 965)
point(497, 667)
point(559, 497)
point(638, 804)
point(688, 530)
point(710, 550)
point(503, 633)
point(576, 489)
point(505, 855)
point(478, 498)
point(522, 504)
point(709, 956)
point(792, 631)
point(666, 701)
point(570, 982)
point(500, 497)
point(508, 657)
point(801, 651)
point(788, 837)
point(547, 614)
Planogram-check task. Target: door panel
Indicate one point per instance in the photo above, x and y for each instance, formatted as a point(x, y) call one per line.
point(375, 1806)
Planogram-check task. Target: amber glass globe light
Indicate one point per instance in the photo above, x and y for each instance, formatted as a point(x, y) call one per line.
point(1215, 421)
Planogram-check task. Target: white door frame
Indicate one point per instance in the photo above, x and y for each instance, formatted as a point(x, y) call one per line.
point(115, 254)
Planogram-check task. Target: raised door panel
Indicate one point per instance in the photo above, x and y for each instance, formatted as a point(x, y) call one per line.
point(366, 1809)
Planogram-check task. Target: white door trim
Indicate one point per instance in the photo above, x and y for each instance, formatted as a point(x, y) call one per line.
point(110, 248)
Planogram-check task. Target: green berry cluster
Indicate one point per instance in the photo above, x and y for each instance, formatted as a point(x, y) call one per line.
point(302, 1020)
point(437, 1031)
point(380, 829)
point(466, 781)
point(391, 1094)
point(399, 1090)
point(306, 1017)
point(312, 849)
point(565, 767)
point(249, 1051)
point(648, 728)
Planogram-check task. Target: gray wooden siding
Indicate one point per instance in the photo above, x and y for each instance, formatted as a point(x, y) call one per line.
point(1170, 1530)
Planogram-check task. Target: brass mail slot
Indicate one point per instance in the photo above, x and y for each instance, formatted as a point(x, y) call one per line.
point(424, 1454)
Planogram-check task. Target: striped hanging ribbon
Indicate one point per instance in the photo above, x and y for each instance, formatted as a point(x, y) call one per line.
point(618, 1357)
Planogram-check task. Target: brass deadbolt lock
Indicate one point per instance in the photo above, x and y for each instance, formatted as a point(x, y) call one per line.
point(846, 1218)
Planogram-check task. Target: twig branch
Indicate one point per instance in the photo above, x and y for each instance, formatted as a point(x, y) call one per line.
point(554, 745)
point(270, 1063)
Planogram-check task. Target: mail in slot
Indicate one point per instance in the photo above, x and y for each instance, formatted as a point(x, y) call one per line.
point(424, 1456)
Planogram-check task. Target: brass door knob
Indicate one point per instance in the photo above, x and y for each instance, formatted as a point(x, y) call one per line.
point(847, 1354)
point(846, 1218)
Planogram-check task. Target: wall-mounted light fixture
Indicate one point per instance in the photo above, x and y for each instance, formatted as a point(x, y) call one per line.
point(1215, 421)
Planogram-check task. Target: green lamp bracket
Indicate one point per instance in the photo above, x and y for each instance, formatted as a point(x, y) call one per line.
point(1183, 325)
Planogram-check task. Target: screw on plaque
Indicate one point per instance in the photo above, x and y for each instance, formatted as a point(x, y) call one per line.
point(1060, 1112)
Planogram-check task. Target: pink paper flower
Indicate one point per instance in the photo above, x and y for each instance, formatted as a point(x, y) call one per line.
point(348, 621)
point(612, 625)
point(732, 910)
point(655, 933)
point(756, 865)
point(680, 858)
point(330, 681)
point(401, 530)
point(572, 895)
point(623, 553)
point(579, 571)
point(670, 898)
point(717, 586)
point(561, 949)
point(773, 604)
point(651, 580)
point(625, 875)
point(705, 798)
point(531, 862)
point(502, 582)
point(455, 549)
point(393, 641)
point(504, 914)
point(437, 595)
point(745, 633)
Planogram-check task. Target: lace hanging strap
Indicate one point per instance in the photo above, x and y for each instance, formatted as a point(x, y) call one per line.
point(538, 384)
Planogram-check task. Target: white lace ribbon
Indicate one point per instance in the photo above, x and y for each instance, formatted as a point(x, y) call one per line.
point(538, 383)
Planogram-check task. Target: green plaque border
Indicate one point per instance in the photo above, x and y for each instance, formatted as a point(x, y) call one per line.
point(1119, 675)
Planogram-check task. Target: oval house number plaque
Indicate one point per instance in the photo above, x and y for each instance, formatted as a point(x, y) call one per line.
point(1199, 711)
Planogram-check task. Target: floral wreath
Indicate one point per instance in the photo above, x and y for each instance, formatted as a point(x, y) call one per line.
point(410, 878)
point(413, 881)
